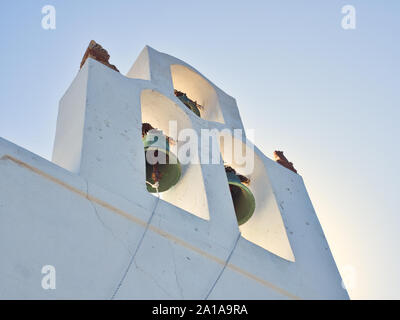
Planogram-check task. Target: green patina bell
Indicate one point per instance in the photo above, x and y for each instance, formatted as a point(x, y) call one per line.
point(167, 170)
point(188, 102)
point(243, 199)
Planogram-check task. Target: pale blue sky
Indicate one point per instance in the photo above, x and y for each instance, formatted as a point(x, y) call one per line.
point(328, 97)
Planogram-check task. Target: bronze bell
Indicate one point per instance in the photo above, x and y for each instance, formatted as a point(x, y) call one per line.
point(243, 199)
point(167, 173)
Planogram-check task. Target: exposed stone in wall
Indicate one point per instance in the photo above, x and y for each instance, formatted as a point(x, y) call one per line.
point(96, 51)
point(281, 159)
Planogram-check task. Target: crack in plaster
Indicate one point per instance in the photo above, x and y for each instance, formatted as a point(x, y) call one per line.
point(102, 222)
point(153, 279)
point(132, 260)
point(224, 266)
point(176, 275)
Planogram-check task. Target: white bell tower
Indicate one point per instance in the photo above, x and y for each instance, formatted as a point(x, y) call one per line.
point(89, 214)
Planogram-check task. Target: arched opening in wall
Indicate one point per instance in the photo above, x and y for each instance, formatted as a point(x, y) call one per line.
point(196, 93)
point(264, 226)
point(166, 116)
